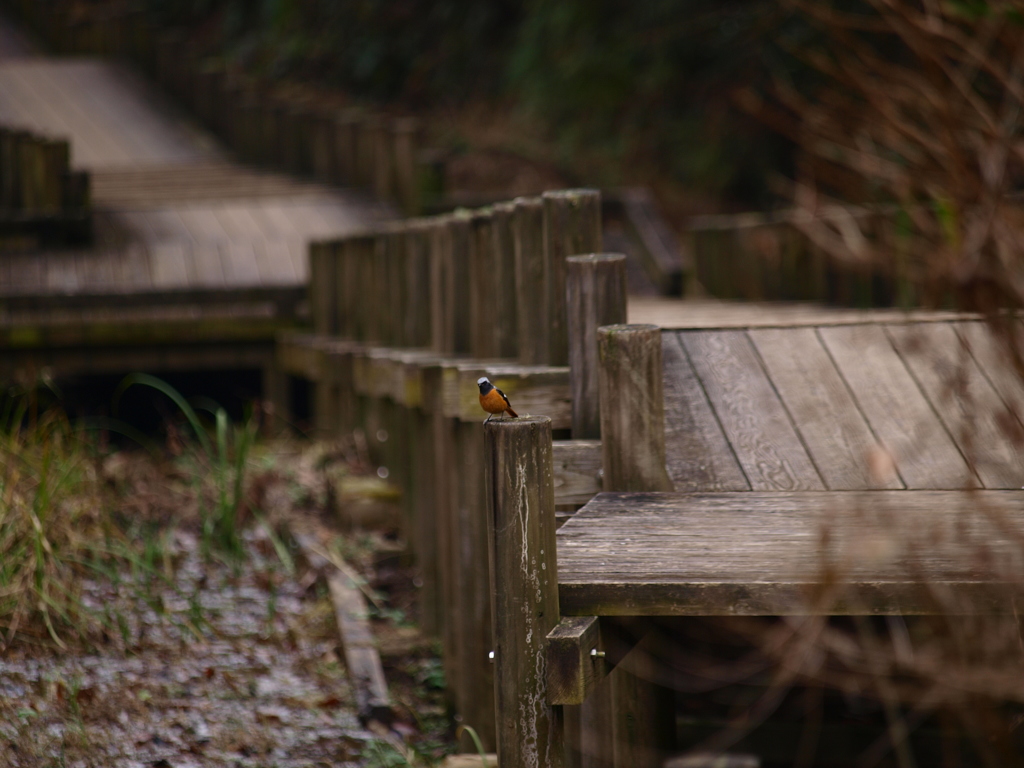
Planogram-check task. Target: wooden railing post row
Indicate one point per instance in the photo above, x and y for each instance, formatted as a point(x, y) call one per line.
point(633, 447)
point(595, 297)
point(572, 226)
point(523, 568)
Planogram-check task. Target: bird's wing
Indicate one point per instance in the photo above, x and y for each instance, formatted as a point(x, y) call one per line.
point(503, 397)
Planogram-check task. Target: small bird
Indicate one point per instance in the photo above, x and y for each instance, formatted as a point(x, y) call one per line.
point(493, 400)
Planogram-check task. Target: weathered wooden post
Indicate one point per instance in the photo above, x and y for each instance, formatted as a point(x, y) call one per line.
point(506, 313)
point(572, 226)
point(530, 280)
point(406, 132)
point(524, 572)
point(631, 391)
point(481, 285)
point(633, 445)
point(595, 296)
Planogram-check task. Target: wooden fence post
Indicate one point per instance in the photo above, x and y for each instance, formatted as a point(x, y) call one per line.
point(572, 226)
point(524, 571)
point(531, 280)
point(633, 408)
point(407, 184)
point(506, 315)
point(481, 285)
point(595, 296)
point(633, 447)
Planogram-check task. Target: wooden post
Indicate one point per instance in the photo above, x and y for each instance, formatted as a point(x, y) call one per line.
point(442, 431)
point(322, 282)
point(407, 184)
point(595, 296)
point(530, 280)
point(524, 571)
point(472, 584)
point(417, 279)
point(442, 287)
point(631, 391)
point(458, 306)
point(633, 447)
point(481, 285)
point(505, 311)
point(572, 226)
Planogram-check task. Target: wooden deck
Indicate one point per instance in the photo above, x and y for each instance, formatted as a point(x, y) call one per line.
point(774, 554)
point(187, 242)
point(774, 434)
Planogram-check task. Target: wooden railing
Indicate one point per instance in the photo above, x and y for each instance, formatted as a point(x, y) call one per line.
point(406, 318)
point(41, 198)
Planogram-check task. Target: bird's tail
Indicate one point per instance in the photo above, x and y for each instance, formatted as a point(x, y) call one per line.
point(512, 413)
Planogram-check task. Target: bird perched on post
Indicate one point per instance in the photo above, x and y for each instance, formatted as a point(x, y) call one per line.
point(493, 400)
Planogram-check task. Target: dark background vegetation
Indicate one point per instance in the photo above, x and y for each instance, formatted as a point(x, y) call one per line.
point(609, 91)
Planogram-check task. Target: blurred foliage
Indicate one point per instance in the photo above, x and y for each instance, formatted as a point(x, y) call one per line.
point(636, 86)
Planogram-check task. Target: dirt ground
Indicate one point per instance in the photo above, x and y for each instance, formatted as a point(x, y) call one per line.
point(210, 662)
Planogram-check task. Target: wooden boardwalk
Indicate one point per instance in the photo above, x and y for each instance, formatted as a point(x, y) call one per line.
point(186, 240)
point(764, 425)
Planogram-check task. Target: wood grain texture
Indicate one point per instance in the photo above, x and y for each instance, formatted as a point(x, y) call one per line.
point(531, 276)
point(767, 553)
point(697, 455)
point(752, 416)
point(633, 412)
point(524, 571)
point(964, 400)
point(595, 296)
point(577, 471)
point(1001, 360)
point(572, 226)
point(895, 409)
point(825, 414)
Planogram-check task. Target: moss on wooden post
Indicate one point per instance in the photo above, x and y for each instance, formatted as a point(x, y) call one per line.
point(595, 296)
point(633, 409)
point(521, 520)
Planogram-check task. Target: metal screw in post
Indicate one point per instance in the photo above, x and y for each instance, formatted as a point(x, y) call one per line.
point(596, 654)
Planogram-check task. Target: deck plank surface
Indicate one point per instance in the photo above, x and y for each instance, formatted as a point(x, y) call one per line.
point(698, 455)
point(895, 408)
point(751, 414)
point(826, 416)
point(757, 553)
point(964, 400)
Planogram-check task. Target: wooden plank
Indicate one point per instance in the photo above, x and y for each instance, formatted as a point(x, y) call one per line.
point(536, 390)
point(577, 471)
point(771, 553)
point(752, 417)
point(995, 357)
point(169, 265)
point(209, 270)
point(239, 261)
point(826, 416)
point(697, 455)
point(964, 400)
point(895, 409)
point(575, 659)
point(274, 261)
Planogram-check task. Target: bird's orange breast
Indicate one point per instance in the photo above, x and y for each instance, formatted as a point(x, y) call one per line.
point(492, 402)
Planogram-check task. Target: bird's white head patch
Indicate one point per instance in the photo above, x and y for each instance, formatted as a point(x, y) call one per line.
point(482, 380)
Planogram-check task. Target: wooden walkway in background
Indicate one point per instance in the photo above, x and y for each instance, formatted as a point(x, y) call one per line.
point(183, 234)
